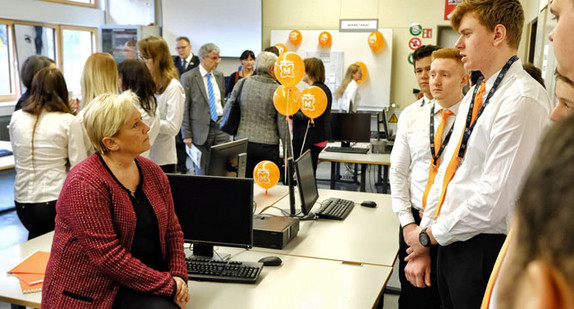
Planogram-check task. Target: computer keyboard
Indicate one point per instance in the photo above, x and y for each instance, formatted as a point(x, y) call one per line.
point(223, 271)
point(5, 152)
point(347, 149)
point(335, 208)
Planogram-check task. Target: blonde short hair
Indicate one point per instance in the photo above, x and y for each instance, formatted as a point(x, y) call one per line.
point(100, 75)
point(105, 116)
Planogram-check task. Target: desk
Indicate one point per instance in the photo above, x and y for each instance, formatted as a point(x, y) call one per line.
point(273, 195)
point(366, 236)
point(298, 283)
point(381, 159)
point(6, 162)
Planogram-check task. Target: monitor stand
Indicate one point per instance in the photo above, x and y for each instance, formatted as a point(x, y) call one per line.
point(346, 144)
point(205, 251)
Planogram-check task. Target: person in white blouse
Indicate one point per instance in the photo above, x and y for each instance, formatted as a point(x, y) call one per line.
point(413, 157)
point(347, 95)
point(135, 76)
point(47, 140)
point(470, 205)
point(170, 100)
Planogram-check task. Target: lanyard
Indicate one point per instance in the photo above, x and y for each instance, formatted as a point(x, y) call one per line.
point(434, 155)
point(468, 128)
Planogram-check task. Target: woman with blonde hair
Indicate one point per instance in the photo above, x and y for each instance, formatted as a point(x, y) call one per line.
point(170, 100)
point(347, 95)
point(100, 76)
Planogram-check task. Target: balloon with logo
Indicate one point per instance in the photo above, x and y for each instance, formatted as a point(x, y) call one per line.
point(376, 41)
point(266, 174)
point(289, 69)
point(364, 70)
point(295, 37)
point(286, 100)
point(281, 47)
point(313, 102)
point(325, 39)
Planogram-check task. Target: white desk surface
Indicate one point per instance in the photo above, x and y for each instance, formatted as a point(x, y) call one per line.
point(366, 236)
point(7, 161)
point(272, 196)
point(298, 283)
point(368, 158)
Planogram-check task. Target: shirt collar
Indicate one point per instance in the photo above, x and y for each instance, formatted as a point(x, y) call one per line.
point(454, 108)
point(203, 71)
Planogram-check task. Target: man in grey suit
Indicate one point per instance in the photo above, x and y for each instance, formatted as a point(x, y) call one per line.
point(204, 101)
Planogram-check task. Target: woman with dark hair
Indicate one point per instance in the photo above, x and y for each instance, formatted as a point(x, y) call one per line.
point(47, 140)
point(170, 100)
point(245, 70)
point(307, 135)
point(135, 76)
point(30, 67)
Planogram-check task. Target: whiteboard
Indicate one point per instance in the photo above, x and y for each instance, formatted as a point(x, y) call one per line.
point(375, 91)
point(233, 26)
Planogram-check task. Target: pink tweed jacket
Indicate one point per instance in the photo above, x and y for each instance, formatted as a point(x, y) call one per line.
point(95, 224)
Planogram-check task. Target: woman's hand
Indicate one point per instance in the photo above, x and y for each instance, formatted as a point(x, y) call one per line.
point(182, 293)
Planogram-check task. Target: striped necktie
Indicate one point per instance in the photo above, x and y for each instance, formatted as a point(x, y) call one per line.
point(211, 96)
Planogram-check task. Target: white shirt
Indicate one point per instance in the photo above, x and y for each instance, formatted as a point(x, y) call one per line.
point(60, 142)
point(411, 156)
point(481, 196)
point(349, 101)
point(153, 123)
point(170, 105)
point(216, 91)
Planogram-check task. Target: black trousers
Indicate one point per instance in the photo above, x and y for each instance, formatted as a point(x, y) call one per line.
point(130, 299)
point(412, 296)
point(37, 218)
point(168, 168)
point(315, 151)
point(464, 268)
point(181, 154)
point(257, 152)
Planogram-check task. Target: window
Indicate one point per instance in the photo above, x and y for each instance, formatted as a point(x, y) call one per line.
point(6, 76)
point(86, 3)
point(78, 44)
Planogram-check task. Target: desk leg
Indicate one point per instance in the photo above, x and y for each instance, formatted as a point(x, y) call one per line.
point(334, 174)
point(363, 176)
point(385, 179)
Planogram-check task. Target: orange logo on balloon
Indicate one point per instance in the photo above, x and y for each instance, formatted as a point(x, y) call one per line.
point(376, 41)
point(364, 70)
point(266, 174)
point(287, 100)
point(313, 102)
point(325, 39)
point(295, 37)
point(282, 48)
point(289, 69)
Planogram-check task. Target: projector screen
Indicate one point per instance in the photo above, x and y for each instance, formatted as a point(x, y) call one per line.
point(232, 25)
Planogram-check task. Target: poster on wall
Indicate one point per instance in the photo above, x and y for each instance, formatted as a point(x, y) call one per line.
point(449, 6)
point(333, 62)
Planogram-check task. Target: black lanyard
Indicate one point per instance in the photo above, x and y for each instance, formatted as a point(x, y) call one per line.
point(469, 127)
point(446, 139)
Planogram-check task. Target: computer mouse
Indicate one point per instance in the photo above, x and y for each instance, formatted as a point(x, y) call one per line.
point(270, 261)
point(371, 204)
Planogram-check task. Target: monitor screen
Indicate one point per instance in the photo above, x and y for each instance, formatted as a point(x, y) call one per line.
point(213, 211)
point(306, 182)
point(351, 127)
point(383, 127)
point(228, 159)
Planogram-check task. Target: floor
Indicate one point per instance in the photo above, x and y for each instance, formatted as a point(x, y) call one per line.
point(13, 232)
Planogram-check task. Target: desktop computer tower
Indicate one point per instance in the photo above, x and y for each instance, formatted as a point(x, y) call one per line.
point(274, 231)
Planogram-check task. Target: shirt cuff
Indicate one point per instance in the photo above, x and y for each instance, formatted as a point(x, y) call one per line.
point(406, 218)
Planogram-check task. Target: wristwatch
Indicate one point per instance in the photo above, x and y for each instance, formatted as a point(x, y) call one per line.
point(424, 238)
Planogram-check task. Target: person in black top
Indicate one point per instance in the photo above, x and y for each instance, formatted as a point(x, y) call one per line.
point(307, 135)
point(30, 67)
point(246, 69)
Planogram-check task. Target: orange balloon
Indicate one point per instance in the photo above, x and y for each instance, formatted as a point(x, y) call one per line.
point(295, 37)
point(313, 102)
point(364, 70)
point(376, 41)
point(284, 107)
point(289, 69)
point(282, 48)
point(325, 39)
point(266, 174)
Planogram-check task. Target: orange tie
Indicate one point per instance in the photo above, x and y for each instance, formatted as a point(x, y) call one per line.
point(495, 271)
point(453, 163)
point(437, 144)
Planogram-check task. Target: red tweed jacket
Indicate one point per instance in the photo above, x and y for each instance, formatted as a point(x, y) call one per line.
point(95, 224)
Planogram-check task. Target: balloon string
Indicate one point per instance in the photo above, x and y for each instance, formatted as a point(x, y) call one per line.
point(266, 191)
point(305, 137)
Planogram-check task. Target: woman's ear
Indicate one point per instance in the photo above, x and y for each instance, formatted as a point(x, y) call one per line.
point(549, 288)
point(110, 143)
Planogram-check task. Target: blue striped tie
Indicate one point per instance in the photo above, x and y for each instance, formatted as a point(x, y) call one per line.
point(211, 98)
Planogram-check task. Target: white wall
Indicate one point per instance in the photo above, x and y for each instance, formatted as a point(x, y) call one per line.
point(50, 12)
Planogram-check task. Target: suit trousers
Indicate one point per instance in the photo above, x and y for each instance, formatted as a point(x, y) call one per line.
point(411, 296)
point(214, 137)
point(37, 218)
point(464, 268)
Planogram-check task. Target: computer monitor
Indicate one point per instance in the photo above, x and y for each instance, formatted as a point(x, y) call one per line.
point(213, 211)
point(351, 128)
point(228, 159)
point(382, 125)
point(306, 182)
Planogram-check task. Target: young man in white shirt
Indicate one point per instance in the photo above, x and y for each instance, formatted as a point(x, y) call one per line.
point(411, 161)
point(471, 202)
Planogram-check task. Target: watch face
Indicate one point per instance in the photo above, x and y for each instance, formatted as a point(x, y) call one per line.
point(424, 238)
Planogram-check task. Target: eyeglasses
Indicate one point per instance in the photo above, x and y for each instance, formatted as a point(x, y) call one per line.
point(181, 47)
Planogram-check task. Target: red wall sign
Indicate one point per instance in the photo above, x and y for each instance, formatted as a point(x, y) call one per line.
point(449, 6)
point(415, 43)
point(427, 33)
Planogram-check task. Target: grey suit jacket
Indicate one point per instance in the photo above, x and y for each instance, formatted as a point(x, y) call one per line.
point(196, 115)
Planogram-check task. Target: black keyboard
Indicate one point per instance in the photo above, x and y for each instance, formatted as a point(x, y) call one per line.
point(335, 208)
point(5, 152)
point(347, 149)
point(223, 271)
